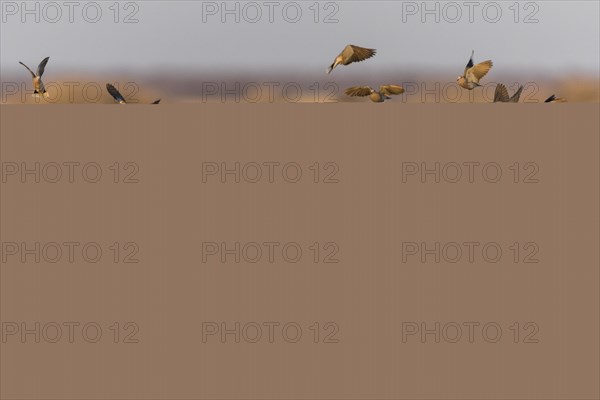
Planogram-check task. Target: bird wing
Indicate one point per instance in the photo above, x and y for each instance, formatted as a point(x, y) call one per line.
point(391, 89)
point(42, 66)
point(360, 91)
point(554, 99)
point(156, 101)
point(30, 71)
point(470, 63)
point(480, 70)
point(354, 53)
point(501, 94)
point(515, 97)
point(114, 93)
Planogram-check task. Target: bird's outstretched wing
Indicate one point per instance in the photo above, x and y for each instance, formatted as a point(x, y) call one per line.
point(515, 97)
point(356, 53)
point(115, 93)
point(554, 99)
point(389, 90)
point(30, 71)
point(42, 66)
point(470, 63)
point(360, 91)
point(501, 94)
point(480, 70)
point(156, 101)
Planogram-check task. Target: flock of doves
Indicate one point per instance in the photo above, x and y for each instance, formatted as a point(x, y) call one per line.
point(469, 80)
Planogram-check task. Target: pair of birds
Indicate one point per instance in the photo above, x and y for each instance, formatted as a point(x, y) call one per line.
point(469, 80)
point(352, 54)
point(40, 90)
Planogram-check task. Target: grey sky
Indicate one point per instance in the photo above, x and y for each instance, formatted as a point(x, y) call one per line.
point(172, 34)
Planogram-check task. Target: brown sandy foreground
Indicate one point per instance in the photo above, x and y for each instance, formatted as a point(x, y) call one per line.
point(295, 88)
point(380, 322)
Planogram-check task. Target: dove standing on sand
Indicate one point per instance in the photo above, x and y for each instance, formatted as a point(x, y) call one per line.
point(473, 73)
point(117, 95)
point(38, 85)
point(376, 96)
point(501, 95)
point(554, 99)
point(350, 54)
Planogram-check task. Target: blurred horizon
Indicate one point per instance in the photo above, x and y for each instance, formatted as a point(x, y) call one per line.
point(215, 86)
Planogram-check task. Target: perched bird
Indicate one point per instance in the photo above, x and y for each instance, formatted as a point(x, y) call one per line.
point(38, 85)
point(501, 95)
point(473, 73)
point(376, 96)
point(350, 54)
point(554, 99)
point(117, 95)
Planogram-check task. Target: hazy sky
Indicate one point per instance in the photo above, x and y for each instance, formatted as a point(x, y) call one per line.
point(190, 34)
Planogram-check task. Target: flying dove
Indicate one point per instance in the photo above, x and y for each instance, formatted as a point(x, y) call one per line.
point(38, 85)
point(376, 96)
point(350, 54)
point(473, 73)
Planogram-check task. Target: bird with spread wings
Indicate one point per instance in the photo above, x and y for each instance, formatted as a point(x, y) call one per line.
point(351, 54)
point(376, 96)
point(473, 73)
point(36, 77)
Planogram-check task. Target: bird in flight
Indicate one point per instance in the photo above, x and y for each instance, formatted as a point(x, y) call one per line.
point(350, 54)
point(376, 96)
point(473, 73)
point(554, 99)
point(115, 94)
point(118, 96)
point(38, 85)
point(501, 95)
